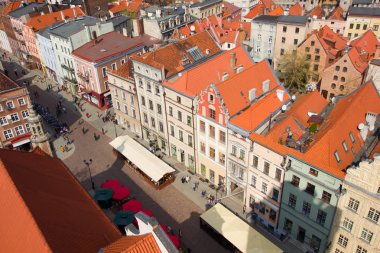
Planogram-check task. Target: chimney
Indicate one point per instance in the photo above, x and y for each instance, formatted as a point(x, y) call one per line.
point(233, 60)
point(62, 15)
point(50, 8)
point(266, 86)
point(252, 94)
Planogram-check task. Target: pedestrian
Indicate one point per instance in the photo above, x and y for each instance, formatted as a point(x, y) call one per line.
point(83, 130)
point(95, 137)
point(66, 148)
point(62, 148)
point(180, 233)
point(194, 186)
point(102, 131)
point(6, 72)
point(16, 74)
point(244, 209)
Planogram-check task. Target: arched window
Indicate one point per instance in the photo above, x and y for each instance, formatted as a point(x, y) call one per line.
point(333, 86)
point(342, 79)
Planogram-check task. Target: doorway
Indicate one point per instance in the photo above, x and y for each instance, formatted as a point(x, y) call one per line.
point(301, 234)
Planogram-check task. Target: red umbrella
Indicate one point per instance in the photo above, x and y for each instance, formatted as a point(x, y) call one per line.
point(120, 193)
point(165, 228)
point(175, 240)
point(133, 205)
point(147, 212)
point(111, 184)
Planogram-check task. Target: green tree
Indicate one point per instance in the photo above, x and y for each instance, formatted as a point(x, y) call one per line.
point(294, 71)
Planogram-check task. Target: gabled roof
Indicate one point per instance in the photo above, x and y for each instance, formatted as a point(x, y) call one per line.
point(366, 43)
point(111, 44)
point(277, 11)
point(42, 21)
point(235, 90)
point(44, 208)
point(194, 80)
point(26, 9)
point(134, 244)
point(359, 63)
point(258, 9)
point(336, 14)
point(11, 6)
point(296, 9)
point(124, 71)
point(6, 83)
point(229, 9)
point(238, 25)
point(170, 57)
point(364, 11)
point(346, 115)
point(317, 11)
point(71, 27)
point(133, 6)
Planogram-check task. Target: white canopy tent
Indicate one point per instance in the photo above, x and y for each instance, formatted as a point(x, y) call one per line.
point(147, 162)
point(237, 232)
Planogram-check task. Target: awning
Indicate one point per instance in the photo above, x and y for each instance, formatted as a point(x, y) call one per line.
point(237, 232)
point(21, 139)
point(146, 161)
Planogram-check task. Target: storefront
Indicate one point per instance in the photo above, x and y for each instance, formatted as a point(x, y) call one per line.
point(22, 142)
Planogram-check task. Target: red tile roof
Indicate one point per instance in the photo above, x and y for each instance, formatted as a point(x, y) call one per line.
point(43, 208)
point(296, 10)
point(39, 22)
point(126, 6)
point(278, 11)
point(229, 9)
point(111, 44)
point(193, 81)
point(6, 83)
point(359, 63)
point(336, 14)
point(366, 44)
point(124, 71)
point(331, 42)
point(238, 25)
point(170, 57)
point(317, 11)
point(344, 118)
point(134, 244)
point(11, 6)
point(234, 91)
point(257, 10)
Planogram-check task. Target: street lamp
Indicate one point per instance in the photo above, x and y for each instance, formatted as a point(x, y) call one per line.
point(89, 171)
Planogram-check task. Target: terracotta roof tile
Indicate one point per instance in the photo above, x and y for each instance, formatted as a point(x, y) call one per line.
point(6, 83)
point(170, 57)
point(126, 6)
point(366, 44)
point(124, 71)
point(42, 197)
point(11, 6)
point(39, 22)
point(257, 10)
point(229, 9)
point(336, 14)
point(194, 80)
point(134, 244)
point(358, 62)
point(278, 11)
point(317, 11)
point(296, 9)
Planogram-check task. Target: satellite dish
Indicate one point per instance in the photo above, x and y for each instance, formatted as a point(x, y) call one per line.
point(294, 97)
point(192, 28)
point(361, 126)
point(371, 127)
point(283, 108)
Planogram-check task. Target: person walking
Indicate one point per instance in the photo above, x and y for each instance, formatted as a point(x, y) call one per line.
point(194, 186)
point(95, 137)
point(62, 148)
point(103, 131)
point(244, 209)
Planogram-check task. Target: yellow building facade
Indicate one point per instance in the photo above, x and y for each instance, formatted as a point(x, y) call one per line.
point(358, 25)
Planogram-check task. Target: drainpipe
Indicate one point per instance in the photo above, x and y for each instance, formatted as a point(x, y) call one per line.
point(195, 141)
point(282, 191)
point(167, 127)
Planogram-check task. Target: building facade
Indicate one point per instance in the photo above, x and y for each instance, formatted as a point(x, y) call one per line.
point(206, 8)
point(360, 19)
point(356, 225)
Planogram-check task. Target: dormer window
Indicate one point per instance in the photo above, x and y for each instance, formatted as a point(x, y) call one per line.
point(344, 146)
point(352, 138)
point(337, 157)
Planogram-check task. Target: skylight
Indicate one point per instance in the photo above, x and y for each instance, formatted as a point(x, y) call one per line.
point(195, 53)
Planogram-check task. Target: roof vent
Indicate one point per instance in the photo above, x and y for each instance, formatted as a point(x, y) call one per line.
point(225, 76)
point(280, 94)
point(266, 86)
point(240, 69)
point(252, 94)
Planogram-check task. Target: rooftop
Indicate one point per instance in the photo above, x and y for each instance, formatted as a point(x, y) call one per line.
point(317, 12)
point(133, 6)
point(25, 10)
point(6, 83)
point(54, 209)
point(175, 57)
point(72, 27)
point(266, 19)
point(278, 11)
point(134, 244)
point(355, 2)
point(110, 44)
point(359, 63)
point(42, 21)
point(363, 11)
point(296, 9)
point(336, 14)
point(290, 19)
point(205, 3)
point(366, 43)
point(258, 9)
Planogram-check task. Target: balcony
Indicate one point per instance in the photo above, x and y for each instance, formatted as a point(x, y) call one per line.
point(70, 80)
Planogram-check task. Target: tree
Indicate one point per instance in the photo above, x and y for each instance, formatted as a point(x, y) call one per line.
point(294, 71)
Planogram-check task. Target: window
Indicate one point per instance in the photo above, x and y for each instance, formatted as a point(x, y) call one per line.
point(189, 120)
point(373, 215)
point(321, 217)
point(264, 188)
point(202, 125)
point(315, 67)
point(125, 109)
point(282, 51)
point(145, 118)
point(222, 158)
point(295, 181)
point(104, 71)
point(180, 135)
point(270, 40)
point(295, 42)
point(344, 69)
point(275, 194)
point(338, 251)
point(148, 87)
point(8, 134)
point(306, 208)
point(153, 122)
point(297, 29)
point(19, 130)
point(375, 27)
point(150, 104)
point(352, 137)
point(113, 66)
point(27, 127)
point(10, 104)
point(171, 111)
point(255, 161)
point(278, 174)
point(351, 26)
point(316, 50)
point(142, 100)
point(317, 58)
point(234, 150)
point(172, 130)
point(190, 140)
point(308, 57)
point(337, 68)
point(365, 27)
point(212, 113)
point(357, 26)
point(313, 172)
point(360, 249)
point(266, 168)
point(333, 85)
point(212, 132)
point(292, 200)
point(161, 126)
point(307, 49)
point(21, 101)
point(337, 157)
point(253, 181)
point(222, 137)
point(312, 43)
point(259, 37)
point(178, 99)
point(258, 49)
point(212, 153)
point(283, 40)
point(310, 188)
point(326, 197)
point(157, 88)
point(179, 114)
point(342, 241)
point(342, 79)
point(159, 110)
point(353, 204)
point(15, 117)
point(242, 154)
point(366, 235)
point(3, 121)
point(284, 29)
point(347, 224)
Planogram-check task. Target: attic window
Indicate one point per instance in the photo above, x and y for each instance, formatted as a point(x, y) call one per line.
point(195, 53)
point(337, 157)
point(211, 98)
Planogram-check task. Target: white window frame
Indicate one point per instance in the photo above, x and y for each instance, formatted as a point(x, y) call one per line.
point(19, 130)
point(8, 133)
